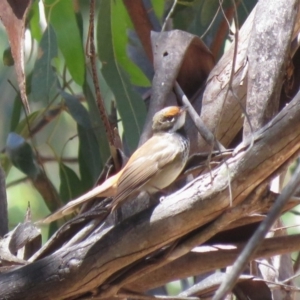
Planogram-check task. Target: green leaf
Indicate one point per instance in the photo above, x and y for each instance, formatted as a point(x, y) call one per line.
point(8, 59)
point(5, 163)
point(89, 159)
point(21, 155)
point(120, 24)
point(129, 103)
point(16, 113)
point(208, 10)
point(96, 121)
point(18, 107)
point(70, 185)
point(35, 28)
point(77, 110)
point(61, 15)
point(159, 7)
point(44, 80)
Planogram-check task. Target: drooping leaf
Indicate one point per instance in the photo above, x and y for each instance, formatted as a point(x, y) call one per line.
point(96, 121)
point(70, 185)
point(44, 79)
point(21, 155)
point(120, 25)
point(90, 164)
point(17, 107)
point(77, 110)
point(13, 16)
point(129, 103)
point(61, 15)
point(35, 27)
point(16, 113)
point(137, 54)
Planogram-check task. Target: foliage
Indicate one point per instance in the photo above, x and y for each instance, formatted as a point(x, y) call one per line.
point(62, 145)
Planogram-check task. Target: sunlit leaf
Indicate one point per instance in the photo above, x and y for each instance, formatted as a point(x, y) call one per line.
point(61, 15)
point(35, 27)
point(120, 24)
point(129, 103)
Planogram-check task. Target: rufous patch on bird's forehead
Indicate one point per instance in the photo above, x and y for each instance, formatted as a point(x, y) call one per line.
point(172, 111)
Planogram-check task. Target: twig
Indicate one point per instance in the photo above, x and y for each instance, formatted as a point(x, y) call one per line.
point(258, 236)
point(212, 21)
point(16, 182)
point(169, 15)
point(204, 131)
point(92, 55)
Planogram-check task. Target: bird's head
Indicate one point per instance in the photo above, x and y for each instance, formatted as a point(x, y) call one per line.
point(169, 119)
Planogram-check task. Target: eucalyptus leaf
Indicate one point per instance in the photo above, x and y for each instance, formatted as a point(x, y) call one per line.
point(90, 164)
point(77, 110)
point(129, 103)
point(16, 113)
point(21, 155)
point(44, 80)
point(18, 106)
point(35, 27)
point(96, 121)
point(61, 16)
point(70, 185)
point(120, 24)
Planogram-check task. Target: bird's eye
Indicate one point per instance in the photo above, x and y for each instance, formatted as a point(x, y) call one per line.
point(170, 119)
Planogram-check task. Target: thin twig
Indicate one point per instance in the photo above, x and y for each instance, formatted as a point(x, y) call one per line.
point(92, 55)
point(169, 15)
point(258, 236)
point(203, 130)
point(16, 182)
point(212, 21)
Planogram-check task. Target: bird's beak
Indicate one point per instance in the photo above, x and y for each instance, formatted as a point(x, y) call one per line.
point(183, 109)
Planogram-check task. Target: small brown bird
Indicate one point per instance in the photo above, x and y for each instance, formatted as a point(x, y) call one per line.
point(151, 168)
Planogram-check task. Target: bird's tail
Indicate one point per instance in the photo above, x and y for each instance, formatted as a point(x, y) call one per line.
point(106, 189)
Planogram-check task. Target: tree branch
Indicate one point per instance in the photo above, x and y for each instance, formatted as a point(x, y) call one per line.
point(94, 262)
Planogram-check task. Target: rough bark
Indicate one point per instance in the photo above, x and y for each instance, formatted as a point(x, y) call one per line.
point(100, 260)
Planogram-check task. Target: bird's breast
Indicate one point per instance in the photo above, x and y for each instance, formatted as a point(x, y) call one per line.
point(169, 172)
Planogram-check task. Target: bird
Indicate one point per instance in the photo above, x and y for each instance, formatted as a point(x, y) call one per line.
point(151, 168)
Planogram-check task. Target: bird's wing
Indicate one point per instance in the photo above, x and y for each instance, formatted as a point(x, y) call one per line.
point(143, 165)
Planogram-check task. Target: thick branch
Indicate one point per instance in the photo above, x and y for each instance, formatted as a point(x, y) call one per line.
point(209, 258)
point(83, 267)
